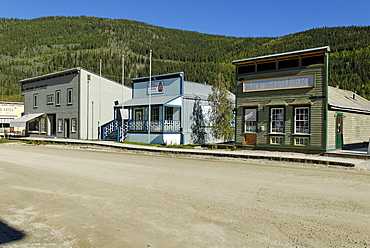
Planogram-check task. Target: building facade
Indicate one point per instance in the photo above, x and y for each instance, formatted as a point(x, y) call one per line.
point(166, 109)
point(9, 111)
point(284, 103)
point(73, 103)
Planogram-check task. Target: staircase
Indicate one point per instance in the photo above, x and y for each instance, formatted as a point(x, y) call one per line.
point(112, 132)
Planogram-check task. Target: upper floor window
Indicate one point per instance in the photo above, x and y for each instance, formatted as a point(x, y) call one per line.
point(69, 96)
point(57, 97)
point(50, 99)
point(35, 100)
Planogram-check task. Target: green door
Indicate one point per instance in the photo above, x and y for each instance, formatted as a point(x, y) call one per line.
point(339, 131)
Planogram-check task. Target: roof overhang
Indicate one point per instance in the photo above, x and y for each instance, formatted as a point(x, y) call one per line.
point(318, 49)
point(22, 121)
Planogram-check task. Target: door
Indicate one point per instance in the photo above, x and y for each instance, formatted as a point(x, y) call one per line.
point(51, 127)
point(66, 128)
point(339, 131)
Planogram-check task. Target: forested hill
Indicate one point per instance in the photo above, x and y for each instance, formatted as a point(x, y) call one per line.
point(35, 47)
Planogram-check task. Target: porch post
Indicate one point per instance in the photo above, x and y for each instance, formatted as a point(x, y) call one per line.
point(163, 117)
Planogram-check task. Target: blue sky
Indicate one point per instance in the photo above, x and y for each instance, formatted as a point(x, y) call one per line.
point(239, 18)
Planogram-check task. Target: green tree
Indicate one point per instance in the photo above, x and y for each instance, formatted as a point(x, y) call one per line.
point(221, 113)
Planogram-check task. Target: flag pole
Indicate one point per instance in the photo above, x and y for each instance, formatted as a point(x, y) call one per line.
point(150, 94)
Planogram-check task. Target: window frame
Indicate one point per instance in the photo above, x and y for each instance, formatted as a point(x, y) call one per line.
point(60, 125)
point(250, 130)
point(73, 125)
point(69, 96)
point(57, 98)
point(35, 99)
point(272, 120)
point(50, 99)
point(304, 120)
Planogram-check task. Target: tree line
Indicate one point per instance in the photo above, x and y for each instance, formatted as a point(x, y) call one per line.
point(39, 46)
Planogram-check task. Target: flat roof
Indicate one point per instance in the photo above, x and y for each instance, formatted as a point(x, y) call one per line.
point(324, 49)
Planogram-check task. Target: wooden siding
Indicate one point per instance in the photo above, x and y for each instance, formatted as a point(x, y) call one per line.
point(317, 109)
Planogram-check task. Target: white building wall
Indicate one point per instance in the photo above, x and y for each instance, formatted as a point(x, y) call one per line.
point(97, 100)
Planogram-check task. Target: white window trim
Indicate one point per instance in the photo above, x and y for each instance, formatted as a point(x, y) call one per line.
point(271, 132)
point(73, 130)
point(295, 121)
point(60, 125)
point(57, 98)
point(69, 100)
point(35, 100)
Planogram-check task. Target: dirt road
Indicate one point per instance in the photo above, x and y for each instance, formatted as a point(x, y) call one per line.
point(60, 197)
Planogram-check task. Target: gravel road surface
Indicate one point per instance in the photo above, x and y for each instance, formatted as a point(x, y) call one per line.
point(55, 196)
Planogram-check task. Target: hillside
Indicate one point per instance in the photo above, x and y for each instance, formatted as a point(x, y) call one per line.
point(34, 47)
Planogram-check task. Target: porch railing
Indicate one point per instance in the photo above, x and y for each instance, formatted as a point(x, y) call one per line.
point(166, 126)
point(108, 128)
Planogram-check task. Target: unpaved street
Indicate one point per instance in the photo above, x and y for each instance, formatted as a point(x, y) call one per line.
point(62, 197)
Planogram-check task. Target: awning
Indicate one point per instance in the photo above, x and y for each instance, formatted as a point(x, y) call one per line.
point(22, 121)
point(277, 102)
point(300, 101)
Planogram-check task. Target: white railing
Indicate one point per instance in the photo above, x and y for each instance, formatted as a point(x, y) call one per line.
point(169, 126)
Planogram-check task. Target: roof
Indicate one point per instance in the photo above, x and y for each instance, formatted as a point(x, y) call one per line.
point(59, 74)
point(22, 121)
point(196, 90)
point(347, 100)
point(318, 49)
point(154, 100)
point(158, 77)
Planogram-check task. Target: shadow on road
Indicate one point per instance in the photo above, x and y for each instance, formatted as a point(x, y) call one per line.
point(9, 234)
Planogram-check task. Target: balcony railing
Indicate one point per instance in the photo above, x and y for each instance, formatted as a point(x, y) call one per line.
point(166, 126)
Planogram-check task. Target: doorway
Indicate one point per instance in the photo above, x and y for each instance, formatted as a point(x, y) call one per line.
point(339, 131)
point(51, 127)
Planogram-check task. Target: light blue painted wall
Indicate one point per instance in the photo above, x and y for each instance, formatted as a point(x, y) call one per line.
point(171, 86)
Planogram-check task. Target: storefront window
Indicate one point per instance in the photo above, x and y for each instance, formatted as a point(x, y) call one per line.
point(301, 122)
point(277, 120)
point(250, 120)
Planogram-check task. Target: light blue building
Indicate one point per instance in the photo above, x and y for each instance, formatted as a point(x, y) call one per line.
point(178, 112)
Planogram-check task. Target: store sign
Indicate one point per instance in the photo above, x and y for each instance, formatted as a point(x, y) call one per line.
point(155, 88)
point(292, 82)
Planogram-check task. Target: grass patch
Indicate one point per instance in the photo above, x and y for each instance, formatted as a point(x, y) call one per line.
point(2, 140)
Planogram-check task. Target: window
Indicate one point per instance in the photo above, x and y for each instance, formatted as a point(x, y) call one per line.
point(288, 63)
point(250, 120)
point(50, 99)
point(301, 122)
point(74, 125)
point(57, 97)
point(277, 120)
point(169, 113)
point(69, 96)
point(313, 60)
point(35, 100)
point(33, 125)
point(266, 66)
point(60, 125)
point(276, 140)
point(155, 113)
point(246, 68)
point(301, 141)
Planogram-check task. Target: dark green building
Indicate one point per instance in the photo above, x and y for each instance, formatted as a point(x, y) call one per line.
point(282, 100)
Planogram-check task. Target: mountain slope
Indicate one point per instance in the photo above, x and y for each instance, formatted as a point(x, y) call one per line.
point(34, 47)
